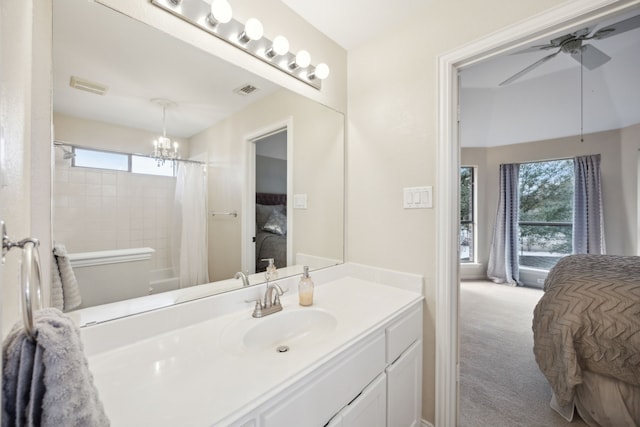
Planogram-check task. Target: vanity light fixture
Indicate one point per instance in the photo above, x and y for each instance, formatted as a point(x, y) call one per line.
point(321, 72)
point(217, 19)
point(302, 60)
point(280, 46)
point(221, 12)
point(253, 30)
point(163, 149)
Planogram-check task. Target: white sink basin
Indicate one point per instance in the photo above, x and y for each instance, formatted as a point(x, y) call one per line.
point(293, 328)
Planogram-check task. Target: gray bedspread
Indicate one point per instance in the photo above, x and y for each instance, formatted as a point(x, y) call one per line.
point(589, 320)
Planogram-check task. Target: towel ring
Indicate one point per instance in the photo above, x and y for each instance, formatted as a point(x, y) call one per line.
point(30, 264)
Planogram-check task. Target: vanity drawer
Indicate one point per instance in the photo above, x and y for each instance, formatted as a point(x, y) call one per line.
point(401, 334)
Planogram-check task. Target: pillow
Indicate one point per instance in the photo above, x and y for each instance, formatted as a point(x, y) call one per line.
point(263, 212)
point(276, 224)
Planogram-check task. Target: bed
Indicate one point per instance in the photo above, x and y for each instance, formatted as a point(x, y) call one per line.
point(271, 229)
point(586, 331)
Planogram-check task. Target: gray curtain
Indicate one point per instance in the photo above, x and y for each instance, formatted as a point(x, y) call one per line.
point(588, 224)
point(503, 257)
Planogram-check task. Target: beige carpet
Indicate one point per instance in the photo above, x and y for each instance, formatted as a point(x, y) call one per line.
point(500, 383)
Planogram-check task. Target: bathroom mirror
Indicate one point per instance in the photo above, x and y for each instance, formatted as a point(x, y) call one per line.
point(261, 146)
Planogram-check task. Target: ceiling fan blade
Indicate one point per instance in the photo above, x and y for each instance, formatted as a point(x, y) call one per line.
point(618, 28)
point(529, 68)
point(592, 57)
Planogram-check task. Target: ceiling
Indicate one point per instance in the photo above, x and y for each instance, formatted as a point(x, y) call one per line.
point(345, 22)
point(138, 63)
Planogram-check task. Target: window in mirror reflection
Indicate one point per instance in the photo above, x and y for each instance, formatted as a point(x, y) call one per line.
point(99, 159)
point(149, 166)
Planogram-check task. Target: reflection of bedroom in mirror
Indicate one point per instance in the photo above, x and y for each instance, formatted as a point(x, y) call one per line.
point(271, 200)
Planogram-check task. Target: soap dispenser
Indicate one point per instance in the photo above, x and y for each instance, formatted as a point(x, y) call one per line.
point(271, 273)
point(305, 288)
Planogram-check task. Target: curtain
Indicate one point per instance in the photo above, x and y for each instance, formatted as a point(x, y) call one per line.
point(503, 256)
point(588, 224)
point(189, 234)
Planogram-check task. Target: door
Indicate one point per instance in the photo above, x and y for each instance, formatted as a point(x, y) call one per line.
point(369, 408)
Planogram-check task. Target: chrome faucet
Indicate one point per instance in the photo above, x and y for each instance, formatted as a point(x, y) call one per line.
point(241, 275)
point(271, 304)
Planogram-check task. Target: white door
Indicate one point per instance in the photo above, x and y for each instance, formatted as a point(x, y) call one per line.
point(404, 391)
point(370, 408)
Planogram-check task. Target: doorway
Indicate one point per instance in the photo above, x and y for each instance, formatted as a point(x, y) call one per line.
point(559, 20)
point(270, 200)
point(269, 182)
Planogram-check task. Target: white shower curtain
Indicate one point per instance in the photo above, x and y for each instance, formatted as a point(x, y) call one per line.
point(189, 238)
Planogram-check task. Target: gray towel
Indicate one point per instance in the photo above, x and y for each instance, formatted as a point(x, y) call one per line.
point(70, 290)
point(46, 380)
point(57, 297)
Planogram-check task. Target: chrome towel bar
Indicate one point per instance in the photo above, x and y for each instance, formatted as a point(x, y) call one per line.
point(233, 214)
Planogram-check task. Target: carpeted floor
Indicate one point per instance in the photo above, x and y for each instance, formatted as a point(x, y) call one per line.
point(500, 383)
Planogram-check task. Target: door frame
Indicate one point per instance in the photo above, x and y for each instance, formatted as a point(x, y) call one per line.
point(249, 193)
point(539, 27)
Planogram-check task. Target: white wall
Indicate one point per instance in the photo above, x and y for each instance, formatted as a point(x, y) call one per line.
point(619, 151)
point(25, 125)
point(318, 158)
point(392, 96)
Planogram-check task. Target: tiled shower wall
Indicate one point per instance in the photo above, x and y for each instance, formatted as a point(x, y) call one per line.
point(98, 209)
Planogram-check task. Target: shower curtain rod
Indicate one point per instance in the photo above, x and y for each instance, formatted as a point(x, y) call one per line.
point(68, 144)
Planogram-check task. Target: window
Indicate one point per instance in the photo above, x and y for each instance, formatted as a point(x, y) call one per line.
point(99, 159)
point(149, 166)
point(467, 214)
point(546, 212)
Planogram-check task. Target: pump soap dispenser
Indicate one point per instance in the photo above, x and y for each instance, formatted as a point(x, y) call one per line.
point(305, 288)
point(271, 272)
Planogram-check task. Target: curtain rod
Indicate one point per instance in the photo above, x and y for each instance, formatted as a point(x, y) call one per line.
point(549, 160)
point(68, 144)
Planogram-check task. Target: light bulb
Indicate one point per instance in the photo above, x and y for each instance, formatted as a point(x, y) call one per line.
point(220, 12)
point(280, 46)
point(303, 59)
point(252, 31)
point(321, 72)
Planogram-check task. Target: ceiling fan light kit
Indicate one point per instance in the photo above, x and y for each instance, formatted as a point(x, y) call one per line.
point(249, 37)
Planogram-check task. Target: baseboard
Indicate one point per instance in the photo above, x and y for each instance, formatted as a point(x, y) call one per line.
point(426, 423)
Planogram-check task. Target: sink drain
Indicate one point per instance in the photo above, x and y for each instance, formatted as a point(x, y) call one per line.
point(282, 349)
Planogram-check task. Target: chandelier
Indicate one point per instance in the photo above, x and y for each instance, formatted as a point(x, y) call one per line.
point(163, 148)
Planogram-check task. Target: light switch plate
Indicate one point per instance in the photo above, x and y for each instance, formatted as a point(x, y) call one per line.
point(299, 201)
point(418, 197)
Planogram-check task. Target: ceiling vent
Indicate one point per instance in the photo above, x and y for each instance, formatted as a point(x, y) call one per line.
point(247, 89)
point(87, 86)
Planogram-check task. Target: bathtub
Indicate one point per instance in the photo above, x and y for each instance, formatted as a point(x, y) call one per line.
point(163, 280)
point(112, 275)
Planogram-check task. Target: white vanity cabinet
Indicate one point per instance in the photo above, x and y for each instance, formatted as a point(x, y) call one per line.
point(374, 383)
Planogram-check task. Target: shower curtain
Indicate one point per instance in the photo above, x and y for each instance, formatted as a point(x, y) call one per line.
point(189, 238)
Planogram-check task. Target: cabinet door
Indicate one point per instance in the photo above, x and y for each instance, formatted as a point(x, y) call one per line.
point(404, 391)
point(369, 408)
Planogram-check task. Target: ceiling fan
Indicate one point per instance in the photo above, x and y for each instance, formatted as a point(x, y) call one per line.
point(587, 54)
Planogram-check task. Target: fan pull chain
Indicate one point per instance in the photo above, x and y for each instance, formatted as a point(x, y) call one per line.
point(581, 99)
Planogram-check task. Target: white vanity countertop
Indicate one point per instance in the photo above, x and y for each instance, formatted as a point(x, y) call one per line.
point(192, 377)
